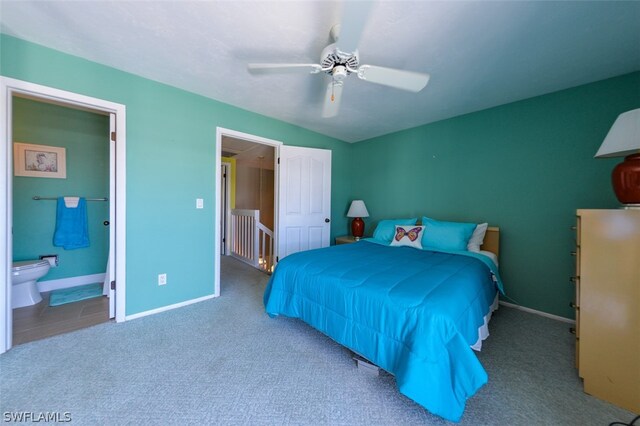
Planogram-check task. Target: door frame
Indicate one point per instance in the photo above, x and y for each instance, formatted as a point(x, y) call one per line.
point(220, 132)
point(9, 88)
point(227, 205)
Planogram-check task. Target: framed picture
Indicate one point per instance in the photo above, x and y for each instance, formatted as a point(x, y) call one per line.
point(39, 161)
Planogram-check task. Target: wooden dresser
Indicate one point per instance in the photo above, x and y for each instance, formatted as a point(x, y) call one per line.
point(608, 305)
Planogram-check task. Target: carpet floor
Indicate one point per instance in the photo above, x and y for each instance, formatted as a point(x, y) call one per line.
point(224, 361)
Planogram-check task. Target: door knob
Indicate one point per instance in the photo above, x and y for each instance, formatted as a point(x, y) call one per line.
point(327, 220)
point(105, 223)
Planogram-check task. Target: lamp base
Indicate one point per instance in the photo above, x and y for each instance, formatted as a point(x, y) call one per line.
point(626, 180)
point(357, 227)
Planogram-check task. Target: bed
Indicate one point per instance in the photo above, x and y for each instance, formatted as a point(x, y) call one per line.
point(413, 312)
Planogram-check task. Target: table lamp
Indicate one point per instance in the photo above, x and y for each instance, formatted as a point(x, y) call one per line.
point(623, 140)
point(357, 210)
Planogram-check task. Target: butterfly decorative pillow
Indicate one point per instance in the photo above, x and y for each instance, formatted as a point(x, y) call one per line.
point(408, 235)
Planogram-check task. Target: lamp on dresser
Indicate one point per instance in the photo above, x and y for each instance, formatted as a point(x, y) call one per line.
point(624, 140)
point(357, 211)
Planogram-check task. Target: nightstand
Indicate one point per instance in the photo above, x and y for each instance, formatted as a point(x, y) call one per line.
point(345, 239)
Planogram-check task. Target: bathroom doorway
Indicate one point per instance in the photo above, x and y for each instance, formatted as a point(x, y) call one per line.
point(108, 214)
point(73, 289)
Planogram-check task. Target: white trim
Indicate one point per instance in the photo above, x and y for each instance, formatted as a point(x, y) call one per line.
point(51, 285)
point(216, 214)
point(169, 307)
point(533, 311)
point(8, 88)
point(6, 218)
point(110, 273)
point(220, 132)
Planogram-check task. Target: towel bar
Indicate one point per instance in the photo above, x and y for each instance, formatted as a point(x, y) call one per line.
point(38, 198)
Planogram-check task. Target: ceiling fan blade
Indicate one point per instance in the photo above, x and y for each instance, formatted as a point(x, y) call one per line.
point(332, 99)
point(284, 68)
point(355, 15)
point(400, 79)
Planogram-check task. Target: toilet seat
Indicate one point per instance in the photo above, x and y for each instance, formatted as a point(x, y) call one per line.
point(25, 265)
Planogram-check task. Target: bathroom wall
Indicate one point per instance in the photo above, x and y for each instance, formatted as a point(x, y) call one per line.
point(84, 135)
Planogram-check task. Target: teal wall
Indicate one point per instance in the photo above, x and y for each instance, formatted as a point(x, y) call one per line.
point(525, 167)
point(85, 137)
point(170, 162)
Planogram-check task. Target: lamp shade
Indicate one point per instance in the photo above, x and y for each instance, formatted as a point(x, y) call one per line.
point(623, 140)
point(624, 137)
point(357, 209)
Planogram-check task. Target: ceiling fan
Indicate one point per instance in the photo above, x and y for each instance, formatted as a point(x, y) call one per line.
point(341, 58)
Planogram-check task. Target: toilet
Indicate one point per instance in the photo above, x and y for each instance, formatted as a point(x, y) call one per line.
point(24, 274)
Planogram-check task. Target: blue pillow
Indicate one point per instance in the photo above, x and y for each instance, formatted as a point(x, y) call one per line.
point(441, 235)
point(386, 229)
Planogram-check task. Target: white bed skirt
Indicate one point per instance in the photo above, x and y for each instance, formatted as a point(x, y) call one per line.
point(483, 330)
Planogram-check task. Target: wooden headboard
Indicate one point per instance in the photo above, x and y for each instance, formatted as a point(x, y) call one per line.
point(492, 240)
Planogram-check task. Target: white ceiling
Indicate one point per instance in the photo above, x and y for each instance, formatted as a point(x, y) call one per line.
point(479, 54)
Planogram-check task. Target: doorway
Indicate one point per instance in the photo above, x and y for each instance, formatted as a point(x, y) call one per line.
point(247, 200)
point(248, 142)
point(116, 138)
point(301, 194)
point(72, 289)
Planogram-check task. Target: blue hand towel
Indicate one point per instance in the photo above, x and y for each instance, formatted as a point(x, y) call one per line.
point(72, 230)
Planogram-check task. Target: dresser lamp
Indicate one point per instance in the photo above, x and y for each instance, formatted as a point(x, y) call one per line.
point(357, 211)
point(623, 140)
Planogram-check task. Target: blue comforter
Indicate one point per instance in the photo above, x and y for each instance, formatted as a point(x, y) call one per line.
point(412, 312)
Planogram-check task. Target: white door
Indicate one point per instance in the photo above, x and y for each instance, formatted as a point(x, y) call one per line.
point(304, 199)
point(111, 264)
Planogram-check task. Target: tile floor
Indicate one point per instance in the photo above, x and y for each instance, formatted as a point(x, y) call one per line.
point(41, 320)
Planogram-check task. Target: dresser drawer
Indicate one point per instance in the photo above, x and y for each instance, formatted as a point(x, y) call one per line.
point(576, 282)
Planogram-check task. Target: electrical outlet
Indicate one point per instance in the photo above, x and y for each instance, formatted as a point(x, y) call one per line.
point(162, 279)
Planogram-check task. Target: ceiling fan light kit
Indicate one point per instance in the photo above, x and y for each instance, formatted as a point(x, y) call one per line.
point(341, 58)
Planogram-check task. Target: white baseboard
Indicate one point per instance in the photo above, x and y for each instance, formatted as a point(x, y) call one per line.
point(533, 311)
point(169, 307)
point(69, 282)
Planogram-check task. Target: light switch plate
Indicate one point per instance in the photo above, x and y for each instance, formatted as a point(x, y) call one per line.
point(199, 203)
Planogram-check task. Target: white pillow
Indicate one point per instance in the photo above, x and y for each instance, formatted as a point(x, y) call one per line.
point(490, 255)
point(408, 235)
point(477, 237)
